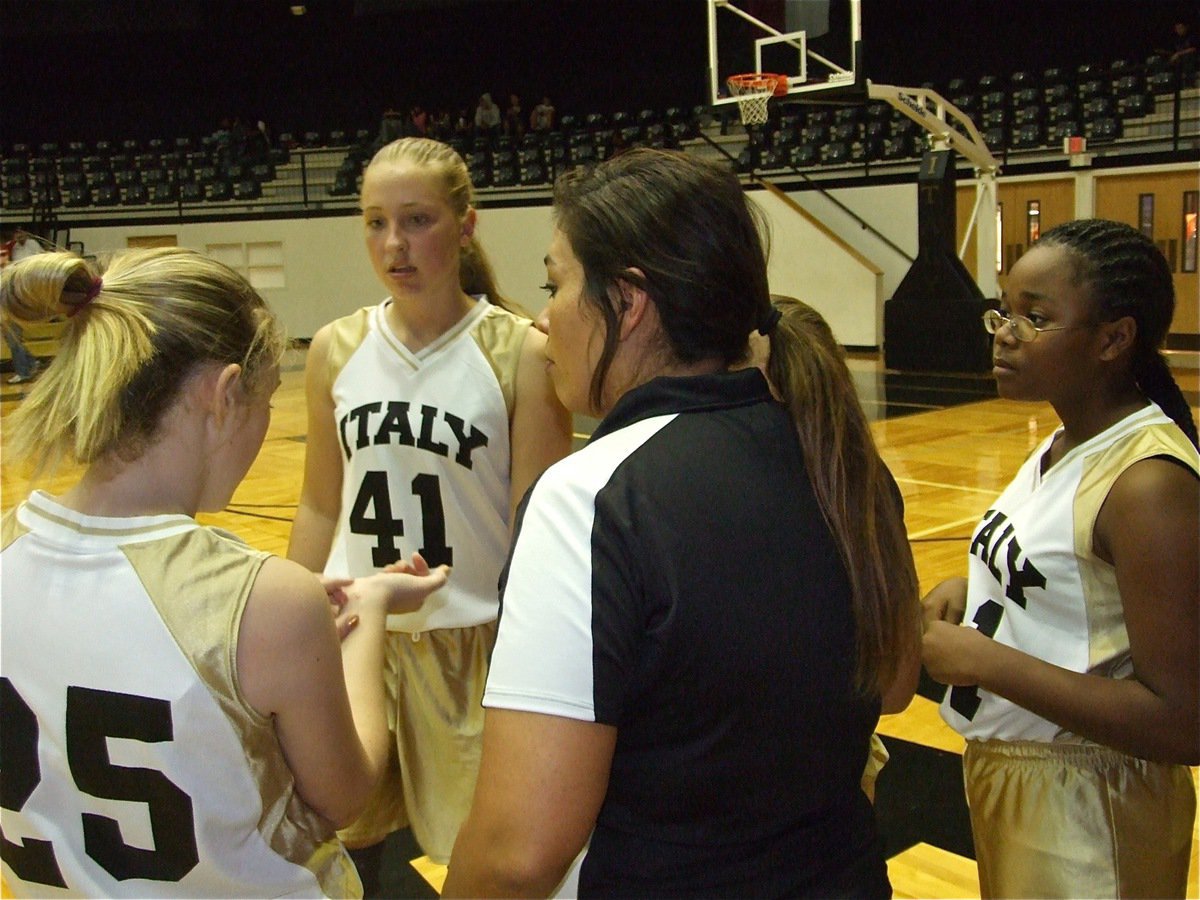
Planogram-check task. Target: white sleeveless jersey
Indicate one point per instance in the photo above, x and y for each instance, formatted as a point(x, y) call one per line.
point(133, 766)
point(426, 455)
point(1035, 582)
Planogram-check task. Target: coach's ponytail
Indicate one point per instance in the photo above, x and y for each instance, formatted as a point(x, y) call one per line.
point(859, 499)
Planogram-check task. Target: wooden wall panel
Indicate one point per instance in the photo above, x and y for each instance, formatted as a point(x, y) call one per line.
point(1056, 199)
point(1117, 199)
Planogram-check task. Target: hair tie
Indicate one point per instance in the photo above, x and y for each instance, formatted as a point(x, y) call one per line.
point(92, 293)
point(770, 320)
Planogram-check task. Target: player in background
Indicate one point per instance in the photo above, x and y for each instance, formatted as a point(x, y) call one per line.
point(1073, 645)
point(429, 415)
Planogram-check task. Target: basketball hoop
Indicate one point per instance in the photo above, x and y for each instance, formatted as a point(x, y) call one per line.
point(753, 90)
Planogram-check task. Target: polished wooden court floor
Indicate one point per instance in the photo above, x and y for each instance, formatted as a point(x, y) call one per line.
point(952, 446)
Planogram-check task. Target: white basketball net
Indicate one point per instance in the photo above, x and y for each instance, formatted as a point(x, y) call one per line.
point(752, 96)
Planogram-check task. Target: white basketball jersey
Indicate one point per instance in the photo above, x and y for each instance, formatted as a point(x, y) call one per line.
point(132, 764)
point(426, 455)
point(1035, 582)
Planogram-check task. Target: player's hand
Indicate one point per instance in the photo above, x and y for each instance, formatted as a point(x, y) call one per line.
point(952, 654)
point(335, 590)
point(416, 566)
point(945, 603)
point(399, 591)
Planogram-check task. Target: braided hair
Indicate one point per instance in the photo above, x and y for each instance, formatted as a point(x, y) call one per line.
point(1126, 275)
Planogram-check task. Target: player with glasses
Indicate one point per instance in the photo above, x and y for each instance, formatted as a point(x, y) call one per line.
point(1022, 327)
point(1073, 646)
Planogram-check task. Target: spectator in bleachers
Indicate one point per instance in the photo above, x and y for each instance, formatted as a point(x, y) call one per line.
point(418, 122)
point(441, 127)
point(514, 121)
point(542, 117)
point(1183, 55)
point(462, 124)
point(487, 116)
point(391, 127)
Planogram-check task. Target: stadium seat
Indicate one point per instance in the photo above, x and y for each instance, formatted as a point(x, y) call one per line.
point(1021, 80)
point(1102, 130)
point(1027, 136)
point(1063, 128)
point(1098, 108)
point(504, 175)
point(844, 131)
point(164, 193)
point(1134, 106)
point(18, 198)
point(1027, 115)
point(802, 155)
point(1027, 96)
point(993, 100)
point(247, 189)
point(835, 153)
point(1058, 93)
point(106, 195)
point(996, 138)
point(135, 195)
point(191, 192)
point(994, 118)
point(1161, 82)
point(1093, 87)
point(774, 158)
point(78, 197)
point(1065, 110)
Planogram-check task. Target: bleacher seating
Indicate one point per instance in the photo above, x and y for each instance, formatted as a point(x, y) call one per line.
point(1021, 112)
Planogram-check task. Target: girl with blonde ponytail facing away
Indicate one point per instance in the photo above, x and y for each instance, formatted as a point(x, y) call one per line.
point(151, 660)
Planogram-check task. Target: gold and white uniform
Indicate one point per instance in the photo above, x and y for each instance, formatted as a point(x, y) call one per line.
point(1053, 814)
point(427, 459)
point(133, 765)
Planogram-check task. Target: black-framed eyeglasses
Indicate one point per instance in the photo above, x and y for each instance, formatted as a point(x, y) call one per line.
point(1022, 328)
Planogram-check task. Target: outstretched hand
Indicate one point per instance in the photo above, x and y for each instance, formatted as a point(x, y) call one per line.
point(401, 587)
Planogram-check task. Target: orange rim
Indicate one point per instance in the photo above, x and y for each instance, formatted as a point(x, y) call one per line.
point(760, 81)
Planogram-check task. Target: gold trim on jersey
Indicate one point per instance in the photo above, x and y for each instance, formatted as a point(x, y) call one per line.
point(206, 628)
point(498, 333)
point(1108, 642)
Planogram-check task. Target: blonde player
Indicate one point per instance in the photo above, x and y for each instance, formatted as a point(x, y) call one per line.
point(430, 414)
point(178, 717)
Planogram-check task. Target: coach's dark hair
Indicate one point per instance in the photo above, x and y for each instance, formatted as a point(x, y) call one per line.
point(854, 489)
point(687, 226)
point(1125, 274)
